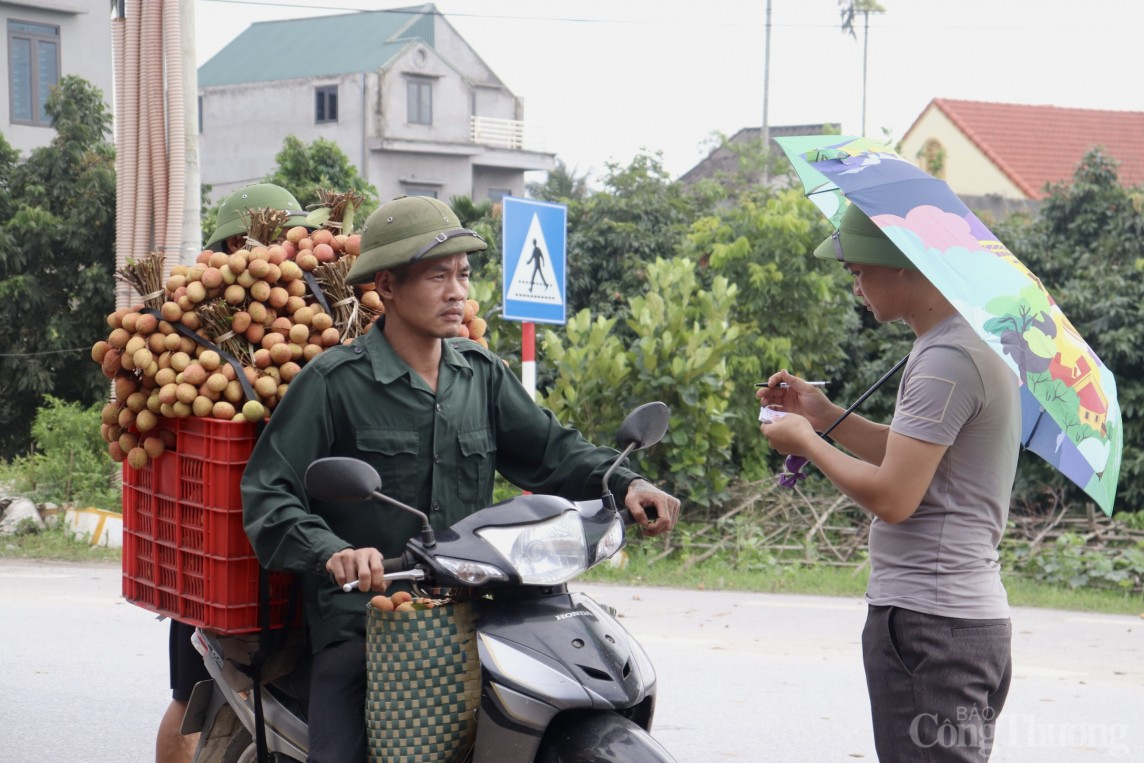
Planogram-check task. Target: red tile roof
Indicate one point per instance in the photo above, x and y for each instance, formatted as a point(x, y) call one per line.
point(1035, 145)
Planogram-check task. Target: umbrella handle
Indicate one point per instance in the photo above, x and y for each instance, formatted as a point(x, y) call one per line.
point(862, 398)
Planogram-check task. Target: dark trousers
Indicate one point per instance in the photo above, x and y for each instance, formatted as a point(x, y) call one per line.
point(186, 664)
point(336, 715)
point(937, 684)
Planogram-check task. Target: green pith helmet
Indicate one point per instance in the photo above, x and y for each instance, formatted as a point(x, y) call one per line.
point(859, 240)
point(407, 229)
point(231, 221)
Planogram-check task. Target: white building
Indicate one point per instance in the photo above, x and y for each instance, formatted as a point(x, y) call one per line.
point(45, 41)
point(410, 103)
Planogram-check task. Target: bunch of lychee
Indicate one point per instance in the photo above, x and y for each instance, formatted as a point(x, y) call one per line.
point(403, 601)
point(228, 333)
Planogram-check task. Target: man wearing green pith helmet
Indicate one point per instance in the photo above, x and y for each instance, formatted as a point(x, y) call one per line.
point(233, 214)
point(437, 416)
point(937, 480)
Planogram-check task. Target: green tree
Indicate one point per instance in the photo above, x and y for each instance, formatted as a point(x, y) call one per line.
point(70, 463)
point(561, 185)
point(1085, 244)
point(304, 168)
point(57, 261)
point(797, 312)
point(614, 234)
point(684, 334)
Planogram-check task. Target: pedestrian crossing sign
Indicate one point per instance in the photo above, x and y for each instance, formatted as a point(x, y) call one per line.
point(535, 248)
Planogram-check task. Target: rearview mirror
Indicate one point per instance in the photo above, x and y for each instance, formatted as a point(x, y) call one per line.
point(341, 479)
point(644, 427)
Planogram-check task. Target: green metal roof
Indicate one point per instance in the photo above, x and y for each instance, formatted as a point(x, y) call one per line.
point(321, 46)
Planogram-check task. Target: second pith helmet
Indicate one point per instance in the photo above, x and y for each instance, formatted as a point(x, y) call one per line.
point(231, 218)
point(859, 240)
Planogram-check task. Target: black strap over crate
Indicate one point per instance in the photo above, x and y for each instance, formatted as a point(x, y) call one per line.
point(317, 291)
point(182, 330)
point(257, 661)
point(265, 644)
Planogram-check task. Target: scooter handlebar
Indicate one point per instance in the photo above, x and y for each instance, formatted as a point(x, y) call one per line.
point(629, 520)
point(396, 568)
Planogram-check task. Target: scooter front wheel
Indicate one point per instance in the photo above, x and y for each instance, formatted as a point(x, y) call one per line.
point(598, 737)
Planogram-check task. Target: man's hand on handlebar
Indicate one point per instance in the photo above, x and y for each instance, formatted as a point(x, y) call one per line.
point(362, 565)
point(642, 495)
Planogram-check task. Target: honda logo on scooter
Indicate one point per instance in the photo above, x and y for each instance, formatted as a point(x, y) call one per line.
point(575, 613)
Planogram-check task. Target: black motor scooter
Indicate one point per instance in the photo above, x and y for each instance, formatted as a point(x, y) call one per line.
point(561, 679)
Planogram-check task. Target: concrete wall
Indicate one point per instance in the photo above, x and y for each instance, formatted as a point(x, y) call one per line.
point(489, 179)
point(85, 51)
point(245, 126)
point(451, 99)
point(968, 171)
point(400, 172)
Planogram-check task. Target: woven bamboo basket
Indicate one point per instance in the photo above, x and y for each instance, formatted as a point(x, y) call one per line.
point(423, 684)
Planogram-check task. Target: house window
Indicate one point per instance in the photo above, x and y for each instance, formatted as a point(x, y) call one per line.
point(931, 158)
point(420, 102)
point(33, 68)
point(497, 194)
point(326, 104)
point(200, 115)
point(416, 190)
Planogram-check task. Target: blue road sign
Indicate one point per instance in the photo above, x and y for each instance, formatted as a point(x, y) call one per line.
point(535, 249)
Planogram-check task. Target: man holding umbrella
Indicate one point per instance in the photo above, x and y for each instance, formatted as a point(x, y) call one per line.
point(936, 645)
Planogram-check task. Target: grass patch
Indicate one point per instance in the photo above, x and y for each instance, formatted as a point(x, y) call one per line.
point(822, 580)
point(54, 544)
point(718, 576)
point(1024, 592)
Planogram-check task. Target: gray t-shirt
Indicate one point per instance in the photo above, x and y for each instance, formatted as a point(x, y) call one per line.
point(955, 391)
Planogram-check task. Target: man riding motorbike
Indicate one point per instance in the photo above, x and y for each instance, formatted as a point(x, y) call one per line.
point(437, 416)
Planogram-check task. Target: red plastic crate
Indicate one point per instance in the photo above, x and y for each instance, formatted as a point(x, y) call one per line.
point(185, 554)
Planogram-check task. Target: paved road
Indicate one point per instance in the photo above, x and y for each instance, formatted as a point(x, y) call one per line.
point(743, 677)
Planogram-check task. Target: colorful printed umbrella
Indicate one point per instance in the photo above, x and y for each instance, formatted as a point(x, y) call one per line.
point(1070, 413)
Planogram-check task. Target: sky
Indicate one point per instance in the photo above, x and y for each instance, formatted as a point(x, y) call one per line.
point(603, 80)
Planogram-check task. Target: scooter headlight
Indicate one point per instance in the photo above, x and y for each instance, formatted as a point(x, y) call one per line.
point(543, 553)
point(612, 542)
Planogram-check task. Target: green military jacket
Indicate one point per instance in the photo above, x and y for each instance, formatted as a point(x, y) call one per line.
point(434, 451)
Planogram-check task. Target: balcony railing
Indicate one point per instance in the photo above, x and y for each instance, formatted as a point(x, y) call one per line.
point(498, 133)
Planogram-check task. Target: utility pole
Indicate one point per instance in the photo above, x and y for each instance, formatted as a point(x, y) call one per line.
point(850, 8)
point(865, 51)
point(766, 131)
point(192, 234)
point(866, 9)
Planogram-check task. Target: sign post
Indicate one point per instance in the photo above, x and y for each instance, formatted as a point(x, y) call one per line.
point(534, 284)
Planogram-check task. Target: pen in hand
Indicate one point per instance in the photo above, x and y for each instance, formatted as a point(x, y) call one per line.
point(784, 385)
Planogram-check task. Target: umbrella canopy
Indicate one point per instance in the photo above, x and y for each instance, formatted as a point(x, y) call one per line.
point(819, 188)
point(1070, 413)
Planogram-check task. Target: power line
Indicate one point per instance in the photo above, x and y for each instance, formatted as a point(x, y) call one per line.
point(889, 24)
point(436, 12)
point(407, 10)
point(45, 352)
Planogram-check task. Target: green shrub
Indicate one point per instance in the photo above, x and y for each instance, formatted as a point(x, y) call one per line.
point(70, 463)
point(1071, 563)
point(683, 337)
